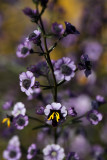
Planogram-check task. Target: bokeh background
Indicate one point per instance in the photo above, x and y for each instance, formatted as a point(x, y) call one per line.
point(90, 18)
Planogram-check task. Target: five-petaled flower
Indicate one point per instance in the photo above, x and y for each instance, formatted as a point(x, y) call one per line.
point(24, 49)
point(64, 68)
point(94, 117)
point(35, 37)
point(53, 152)
point(32, 151)
point(27, 81)
point(55, 112)
point(20, 121)
point(19, 108)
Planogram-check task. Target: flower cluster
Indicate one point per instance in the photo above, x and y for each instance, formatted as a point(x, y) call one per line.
point(56, 114)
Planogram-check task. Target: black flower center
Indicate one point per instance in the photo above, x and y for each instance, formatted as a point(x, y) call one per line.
point(93, 116)
point(26, 83)
point(32, 152)
point(12, 154)
point(21, 122)
point(66, 70)
point(24, 50)
point(32, 35)
point(55, 116)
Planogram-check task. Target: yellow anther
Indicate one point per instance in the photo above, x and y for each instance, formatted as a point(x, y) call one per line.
point(52, 116)
point(57, 116)
point(8, 121)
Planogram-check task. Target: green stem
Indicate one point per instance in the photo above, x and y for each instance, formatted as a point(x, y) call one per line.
point(47, 57)
point(36, 119)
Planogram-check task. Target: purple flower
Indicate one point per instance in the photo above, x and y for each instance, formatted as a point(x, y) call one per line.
point(94, 117)
point(93, 49)
point(70, 29)
point(53, 152)
point(64, 69)
point(7, 105)
point(14, 141)
point(19, 108)
point(23, 49)
point(85, 64)
point(72, 156)
point(37, 84)
point(20, 121)
point(97, 150)
point(57, 29)
point(100, 99)
point(40, 111)
point(13, 149)
point(32, 150)
point(41, 69)
point(33, 14)
point(55, 112)
point(72, 112)
point(27, 81)
point(35, 37)
point(12, 153)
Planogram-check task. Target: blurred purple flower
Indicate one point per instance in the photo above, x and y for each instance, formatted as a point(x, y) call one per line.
point(81, 146)
point(19, 108)
point(64, 69)
point(97, 150)
point(13, 149)
point(27, 81)
point(85, 64)
point(33, 14)
point(98, 102)
point(20, 121)
point(23, 49)
point(32, 150)
point(12, 153)
point(100, 99)
point(72, 112)
point(37, 84)
point(70, 29)
point(53, 152)
point(35, 37)
point(57, 29)
point(7, 105)
point(93, 49)
point(94, 117)
point(40, 110)
point(41, 69)
point(72, 156)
